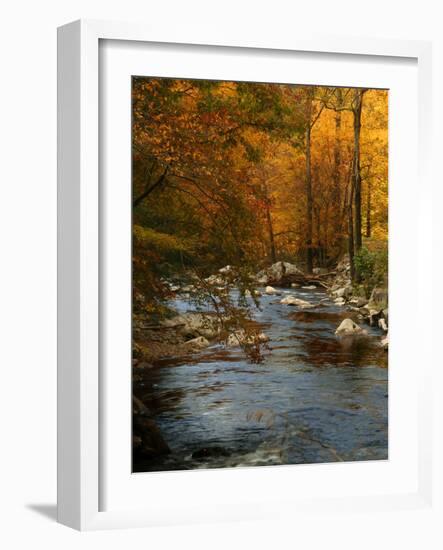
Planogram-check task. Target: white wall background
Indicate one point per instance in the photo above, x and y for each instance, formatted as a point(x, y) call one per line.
point(28, 266)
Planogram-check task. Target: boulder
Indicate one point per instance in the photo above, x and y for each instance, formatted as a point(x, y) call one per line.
point(199, 343)
point(287, 268)
point(309, 287)
point(192, 325)
point(344, 265)
point(344, 292)
point(293, 301)
point(382, 324)
point(348, 328)
point(225, 270)
point(348, 291)
point(277, 272)
point(340, 301)
point(272, 291)
point(385, 342)
point(289, 300)
point(239, 337)
point(262, 278)
point(358, 301)
point(215, 280)
point(341, 282)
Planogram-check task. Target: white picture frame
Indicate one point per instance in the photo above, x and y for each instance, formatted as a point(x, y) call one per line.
point(80, 444)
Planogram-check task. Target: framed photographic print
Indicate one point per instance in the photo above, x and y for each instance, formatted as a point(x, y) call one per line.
point(232, 220)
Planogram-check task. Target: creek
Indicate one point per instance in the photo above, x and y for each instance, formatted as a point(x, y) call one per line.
point(315, 398)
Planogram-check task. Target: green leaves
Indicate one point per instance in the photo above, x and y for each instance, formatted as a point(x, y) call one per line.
point(372, 267)
point(161, 242)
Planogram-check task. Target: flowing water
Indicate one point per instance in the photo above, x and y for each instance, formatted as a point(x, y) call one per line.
point(315, 398)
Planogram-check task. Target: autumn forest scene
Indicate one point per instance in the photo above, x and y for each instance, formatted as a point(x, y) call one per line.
point(260, 274)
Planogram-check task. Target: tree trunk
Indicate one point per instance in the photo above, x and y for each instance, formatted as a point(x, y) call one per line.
point(337, 163)
point(270, 226)
point(351, 244)
point(271, 234)
point(351, 241)
point(308, 183)
point(326, 229)
point(358, 100)
point(319, 246)
point(368, 211)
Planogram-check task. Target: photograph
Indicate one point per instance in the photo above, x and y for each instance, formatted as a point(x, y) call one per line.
point(259, 274)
